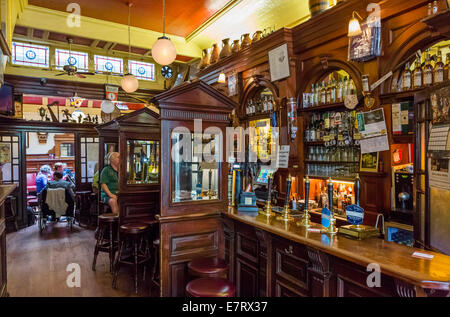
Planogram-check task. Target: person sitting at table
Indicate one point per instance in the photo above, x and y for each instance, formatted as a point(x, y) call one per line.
point(42, 177)
point(58, 182)
point(109, 180)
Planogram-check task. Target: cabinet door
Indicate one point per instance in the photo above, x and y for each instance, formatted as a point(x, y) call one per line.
point(246, 278)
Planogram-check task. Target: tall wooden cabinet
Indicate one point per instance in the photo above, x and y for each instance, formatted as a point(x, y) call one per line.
point(193, 190)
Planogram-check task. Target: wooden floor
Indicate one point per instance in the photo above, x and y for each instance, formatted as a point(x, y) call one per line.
point(37, 263)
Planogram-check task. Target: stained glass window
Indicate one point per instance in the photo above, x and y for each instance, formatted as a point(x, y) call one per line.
point(141, 70)
point(108, 64)
point(30, 54)
point(78, 59)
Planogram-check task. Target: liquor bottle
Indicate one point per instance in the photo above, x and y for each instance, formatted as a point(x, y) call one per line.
point(439, 69)
point(352, 88)
point(429, 9)
point(435, 7)
point(323, 94)
point(312, 131)
point(417, 75)
point(270, 104)
point(428, 72)
point(333, 91)
point(447, 67)
point(406, 78)
point(312, 97)
point(316, 95)
point(345, 89)
point(340, 88)
point(328, 93)
point(265, 108)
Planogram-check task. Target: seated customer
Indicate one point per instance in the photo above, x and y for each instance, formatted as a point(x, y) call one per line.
point(58, 182)
point(42, 178)
point(109, 180)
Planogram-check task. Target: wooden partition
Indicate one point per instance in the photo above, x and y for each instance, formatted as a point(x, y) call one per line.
point(189, 228)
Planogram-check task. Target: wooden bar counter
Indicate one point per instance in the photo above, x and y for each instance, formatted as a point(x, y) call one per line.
point(269, 257)
point(5, 191)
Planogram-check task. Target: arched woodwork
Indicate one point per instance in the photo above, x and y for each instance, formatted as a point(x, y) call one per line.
point(252, 86)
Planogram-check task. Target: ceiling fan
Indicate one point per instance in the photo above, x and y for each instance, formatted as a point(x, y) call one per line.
point(70, 69)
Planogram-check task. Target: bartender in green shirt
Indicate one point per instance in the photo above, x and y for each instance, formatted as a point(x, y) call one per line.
point(109, 180)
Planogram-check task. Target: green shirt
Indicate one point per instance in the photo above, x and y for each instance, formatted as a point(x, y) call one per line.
point(110, 178)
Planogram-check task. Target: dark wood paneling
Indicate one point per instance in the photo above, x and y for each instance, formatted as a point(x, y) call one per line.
point(179, 274)
point(247, 277)
point(194, 243)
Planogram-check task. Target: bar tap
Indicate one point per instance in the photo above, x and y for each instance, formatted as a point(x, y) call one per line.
point(267, 211)
point(285, 216)
point(306, 222)
point(210, 191)
point(332, 227)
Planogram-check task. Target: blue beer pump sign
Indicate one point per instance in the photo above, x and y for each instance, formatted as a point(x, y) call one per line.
point(326, 215)
point(355, 214)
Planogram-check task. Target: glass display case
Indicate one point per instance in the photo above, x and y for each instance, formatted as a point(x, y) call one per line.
point(142, 162)
point(193, 179)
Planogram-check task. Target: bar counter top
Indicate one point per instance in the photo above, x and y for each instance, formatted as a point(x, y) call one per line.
point(5, 191)
point(394, 259)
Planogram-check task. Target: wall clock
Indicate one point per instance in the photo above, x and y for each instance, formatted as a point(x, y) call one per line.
point(167, 72)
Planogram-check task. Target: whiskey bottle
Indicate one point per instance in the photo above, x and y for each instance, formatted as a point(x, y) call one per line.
point(328, 93)
point(417, 75)
point(439, 69)
point(447, 67)
point(340, 87)
point(323, 94)
point(406, 78)
point(333, 91)
point(428, 72)
point(316, 95)
point(345, 90)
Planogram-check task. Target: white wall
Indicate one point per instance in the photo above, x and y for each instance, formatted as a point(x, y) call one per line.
point(37, 148)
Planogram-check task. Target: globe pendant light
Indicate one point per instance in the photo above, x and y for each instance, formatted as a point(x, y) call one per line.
point(107, 106)
point(163, 51)
point(129, 82)
point(78, 113)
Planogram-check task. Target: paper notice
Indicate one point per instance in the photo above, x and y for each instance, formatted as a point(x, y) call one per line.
point(377, 144)
point(396, 119)
point(283, 156)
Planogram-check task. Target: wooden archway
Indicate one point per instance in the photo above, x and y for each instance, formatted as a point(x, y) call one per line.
point(318, 71)
point(253, 85)
point(416, 37)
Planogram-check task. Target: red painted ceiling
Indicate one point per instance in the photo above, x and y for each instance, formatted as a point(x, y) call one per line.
point(182, 16)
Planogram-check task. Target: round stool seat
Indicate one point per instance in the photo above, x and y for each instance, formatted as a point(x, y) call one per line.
point(210, 287)
point(108, 217)
point(134, 228)
point(208, 267)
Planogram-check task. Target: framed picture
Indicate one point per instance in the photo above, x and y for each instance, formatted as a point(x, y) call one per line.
point(232, 85)
point(279, 63)
point(369, 162)
point(5, 153)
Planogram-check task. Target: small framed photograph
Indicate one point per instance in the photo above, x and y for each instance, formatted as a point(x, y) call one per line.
point(369, 162)
point(232, 85)
point(279, 63)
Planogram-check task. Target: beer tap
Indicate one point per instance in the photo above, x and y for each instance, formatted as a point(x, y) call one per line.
point(332, 227)
point(267, 211)
point(306, 222)
point(285, 216)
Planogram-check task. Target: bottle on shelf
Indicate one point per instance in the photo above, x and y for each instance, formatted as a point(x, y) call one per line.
point(316, 95)
point(435, 7)
point(417, 75)
point(345, 89)
point(340, 87)
point(447, 67)
point(429, 12)
point(323, 94)
point(406, 78)
point(438, 69)
point(428, 72)
point(328, 92)
point(351, 87)
point(333, 91)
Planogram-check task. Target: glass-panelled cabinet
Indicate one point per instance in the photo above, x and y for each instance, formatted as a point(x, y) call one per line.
point(142, 162)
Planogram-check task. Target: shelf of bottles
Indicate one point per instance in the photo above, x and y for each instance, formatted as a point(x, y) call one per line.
point(426, 70)
point(332, 145)
point(329, 92)
point(343, 195)
point(142, 162)
point(261, 104)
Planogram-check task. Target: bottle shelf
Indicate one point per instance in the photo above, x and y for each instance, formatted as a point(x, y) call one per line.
point(330, 162)
point(315, 143)
point(399, 95)
point(257, 116)
point(327, 107)
point(334, 177)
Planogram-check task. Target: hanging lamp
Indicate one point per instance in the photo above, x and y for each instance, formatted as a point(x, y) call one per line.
point(354, 28)
point(164, 51)
point(129, 82)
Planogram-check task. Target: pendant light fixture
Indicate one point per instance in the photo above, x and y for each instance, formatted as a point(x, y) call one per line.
point(354, 28)
point(129, 82)
point(163, 51)
point(222, 78)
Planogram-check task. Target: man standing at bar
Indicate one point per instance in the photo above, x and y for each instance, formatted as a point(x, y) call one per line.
point(109, 180)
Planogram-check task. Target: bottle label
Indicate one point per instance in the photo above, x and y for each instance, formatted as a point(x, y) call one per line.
point(407, 81)
point(417, 80)
point(339, 94)
point(428, 78)
point(322, 98)
point(439, 76)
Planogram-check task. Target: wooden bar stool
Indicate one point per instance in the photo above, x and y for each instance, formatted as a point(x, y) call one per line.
point(107, 223)
point(210, 287)
point(137, 234)
point(208, 267)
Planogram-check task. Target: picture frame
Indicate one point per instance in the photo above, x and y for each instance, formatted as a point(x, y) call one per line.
point(232, 85)
point(279, 63)
point(5, 153)
point(369, 162)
